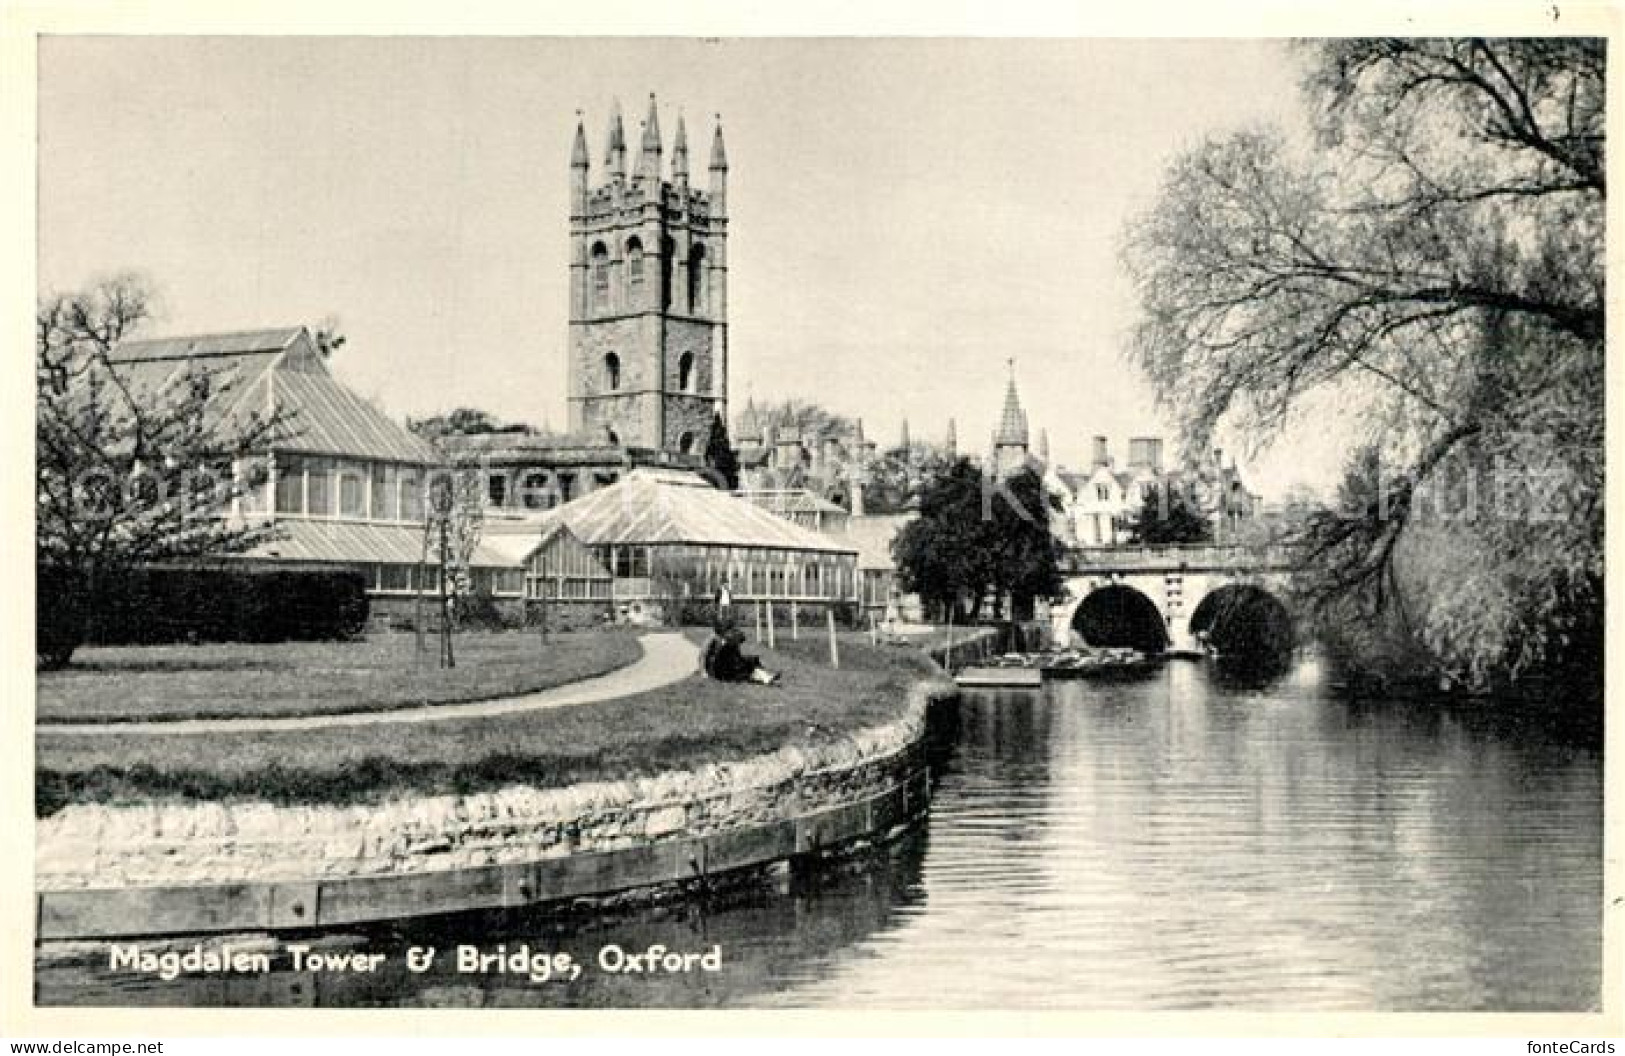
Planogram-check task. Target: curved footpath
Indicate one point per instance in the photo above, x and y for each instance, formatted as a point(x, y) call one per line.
point(668, 657)
point(166, 868)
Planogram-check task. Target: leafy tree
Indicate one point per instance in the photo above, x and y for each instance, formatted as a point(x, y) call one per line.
point(975, 538)
point(130, 470)
point(329, 335)
point(453, 520)
point(805, 418)
point(1167, 515)
point(1435, 262)
point(898, 477)
point(464, 421)
point(720, 457)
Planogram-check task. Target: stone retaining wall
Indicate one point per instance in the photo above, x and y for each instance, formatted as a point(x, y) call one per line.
point(181, 845)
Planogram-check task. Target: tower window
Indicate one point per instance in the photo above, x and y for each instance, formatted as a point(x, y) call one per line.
point(685, 443)
point(612, 371)
point(634, 264)
point(696, 279)
point(611, 435)
point(668, 251)
point(600, 275)
point(685, 372)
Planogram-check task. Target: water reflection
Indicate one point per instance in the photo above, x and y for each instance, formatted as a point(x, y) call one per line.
point(1185, 840)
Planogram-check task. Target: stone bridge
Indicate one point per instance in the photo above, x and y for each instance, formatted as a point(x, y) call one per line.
point(1149, 591)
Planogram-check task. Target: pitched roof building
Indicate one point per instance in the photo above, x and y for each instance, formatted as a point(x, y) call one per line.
point(660, 531)
point(343, 481)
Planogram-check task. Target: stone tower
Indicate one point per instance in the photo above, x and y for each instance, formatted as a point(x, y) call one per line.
point(648, 292)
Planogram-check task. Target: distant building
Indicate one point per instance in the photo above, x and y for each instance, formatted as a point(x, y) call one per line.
point(1099, 502)
point(782, 458)
point(666, 535)
point(802, 507)
point(647, 343)
point(1104, 500)
point(344, 484)
point(877, 569)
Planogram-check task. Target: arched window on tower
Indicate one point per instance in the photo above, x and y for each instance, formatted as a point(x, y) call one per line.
point(611, 435)
point(685, 443)
point(634, 265)
point(668, 250)
point(600, 275)
point(685, 372)
point(696, 280)
point(612, 371)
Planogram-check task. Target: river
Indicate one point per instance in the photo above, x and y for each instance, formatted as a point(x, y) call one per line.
point(1177, 841)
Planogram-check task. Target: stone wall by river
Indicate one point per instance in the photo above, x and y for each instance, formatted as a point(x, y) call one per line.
point(185, 844)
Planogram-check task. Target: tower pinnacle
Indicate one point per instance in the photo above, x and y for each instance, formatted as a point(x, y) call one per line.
point(679, 154)
point(615, 156)
point(578, 149)
point(649, 157)
point(719, 154)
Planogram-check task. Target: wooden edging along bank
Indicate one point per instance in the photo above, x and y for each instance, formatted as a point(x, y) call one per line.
point(340, 900)
point(126, 912)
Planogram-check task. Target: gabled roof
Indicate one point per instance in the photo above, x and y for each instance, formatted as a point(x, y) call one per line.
point(873, 538)
point(519, 540)
point(193, 346)
point(330, 419)
point(279, 369)
point(652, 506)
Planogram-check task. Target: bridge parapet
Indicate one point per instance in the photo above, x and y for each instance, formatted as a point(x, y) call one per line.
point(1183, 557)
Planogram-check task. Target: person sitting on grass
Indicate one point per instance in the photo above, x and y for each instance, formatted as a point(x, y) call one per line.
point(726, 661)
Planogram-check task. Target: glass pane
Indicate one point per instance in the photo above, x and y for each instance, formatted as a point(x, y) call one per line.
point(318, 487)
point(411, 496)
point(352, 491)
point(290, 485)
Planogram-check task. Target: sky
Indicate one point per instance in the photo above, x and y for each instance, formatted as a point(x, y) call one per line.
point(905, 215)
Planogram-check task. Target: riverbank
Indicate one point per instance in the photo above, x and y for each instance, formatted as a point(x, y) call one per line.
point(689, 724)
point(583, 801)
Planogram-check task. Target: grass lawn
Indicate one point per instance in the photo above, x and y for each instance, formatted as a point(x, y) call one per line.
point(313, 678)
point(693, 722)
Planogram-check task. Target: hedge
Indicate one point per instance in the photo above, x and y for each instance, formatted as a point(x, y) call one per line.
point(152, 606)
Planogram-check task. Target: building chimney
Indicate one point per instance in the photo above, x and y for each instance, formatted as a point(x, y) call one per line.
point(1145, 454)
point(1102, 455)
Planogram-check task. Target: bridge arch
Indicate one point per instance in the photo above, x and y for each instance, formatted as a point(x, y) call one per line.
point(1119, 616)
point(1244, 621)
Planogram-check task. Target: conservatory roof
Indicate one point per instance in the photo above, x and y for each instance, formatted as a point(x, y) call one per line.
point(355, 542)
point(653, 506)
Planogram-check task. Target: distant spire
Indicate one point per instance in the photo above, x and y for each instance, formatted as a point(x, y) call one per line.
point(615, 156)
point(679, 154)
point(578, 150)
point(952, 442)
point(750, 425)
point(902, 440)
point(1013, 421)
point(1043, 446)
